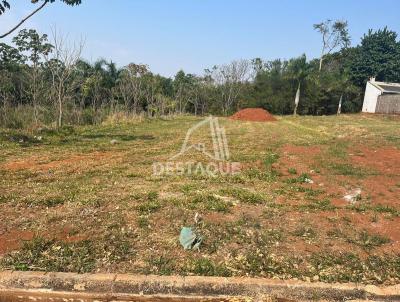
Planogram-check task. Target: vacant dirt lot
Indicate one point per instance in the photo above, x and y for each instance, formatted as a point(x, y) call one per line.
point(85, 200)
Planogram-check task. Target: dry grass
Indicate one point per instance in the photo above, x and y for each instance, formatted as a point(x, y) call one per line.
point(82, 203)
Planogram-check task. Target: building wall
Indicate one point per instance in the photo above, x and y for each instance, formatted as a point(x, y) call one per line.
point(388, 103)
point(370, 98)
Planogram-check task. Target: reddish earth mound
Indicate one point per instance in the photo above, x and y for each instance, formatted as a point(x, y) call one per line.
point(253, 115)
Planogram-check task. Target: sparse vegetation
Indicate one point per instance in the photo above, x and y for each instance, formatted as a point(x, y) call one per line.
point(108, 213)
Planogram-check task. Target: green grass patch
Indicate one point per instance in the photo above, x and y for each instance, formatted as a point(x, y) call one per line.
point(368, 241)
point(244, 195)
point(319, 205)
point(209, 202)
point(207, 267)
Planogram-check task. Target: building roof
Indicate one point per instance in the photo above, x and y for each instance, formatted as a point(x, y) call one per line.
point(387, 87)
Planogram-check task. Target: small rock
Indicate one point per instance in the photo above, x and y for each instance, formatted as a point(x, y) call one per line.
point(197, 218)
point(113, 142)
point(309, 181)
point(316, 278)
point(353, 196)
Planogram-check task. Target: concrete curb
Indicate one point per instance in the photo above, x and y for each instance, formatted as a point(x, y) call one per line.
point(185, 288)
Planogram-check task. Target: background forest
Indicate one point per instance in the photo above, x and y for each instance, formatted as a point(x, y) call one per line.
point(44, 81)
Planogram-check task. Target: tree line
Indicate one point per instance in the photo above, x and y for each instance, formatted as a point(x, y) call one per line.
point(44, 80)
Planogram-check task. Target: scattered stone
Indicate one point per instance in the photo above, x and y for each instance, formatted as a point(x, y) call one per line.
point(353, 196)
point(113, 142)
point(308, 180)
point(197, 218)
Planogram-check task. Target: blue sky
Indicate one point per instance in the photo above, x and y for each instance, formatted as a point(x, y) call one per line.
point(169, 35)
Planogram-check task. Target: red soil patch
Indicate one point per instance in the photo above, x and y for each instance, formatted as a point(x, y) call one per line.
point(385, 160)
point(13, 239)
point(253, 115)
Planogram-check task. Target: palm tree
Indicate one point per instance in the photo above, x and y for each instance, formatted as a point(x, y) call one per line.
point(299, 70)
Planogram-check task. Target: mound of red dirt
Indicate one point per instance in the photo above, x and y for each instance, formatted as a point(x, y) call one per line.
point(253, 115)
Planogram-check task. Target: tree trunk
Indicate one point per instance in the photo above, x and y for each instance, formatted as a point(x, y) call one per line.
point(60, 109)
point(339, 110)
point(321, 58)
point(297, 100)
point(320, 63)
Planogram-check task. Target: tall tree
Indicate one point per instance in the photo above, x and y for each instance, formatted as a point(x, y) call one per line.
point(377, 56)
point(298, 70)
point(334, 35)
point(62, 65)
point(35, 47)
point(230, 79)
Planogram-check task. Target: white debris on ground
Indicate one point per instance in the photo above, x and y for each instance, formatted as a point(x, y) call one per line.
point(353, 196)
point(113, 142)
point(309, 181)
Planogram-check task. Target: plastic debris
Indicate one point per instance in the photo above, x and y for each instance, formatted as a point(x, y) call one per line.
point(189, 239)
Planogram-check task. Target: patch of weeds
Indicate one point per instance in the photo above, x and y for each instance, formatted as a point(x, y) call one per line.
point(335, 233)
point(306, 232)
point(303, 178)
point(133, 175)
point(207, 267)
point(386, 209)
point(188, 188)
point(210, 202)
point(271, 236)
point(309, 192)
point(348, 267)
point(379, 208)
point(149, 203)
point(359, 208)
point(270, 159)
point(292, 171)
point(273, 210)
point(260, 175)
point(347, 220)
point(348, 170)
point(143, 221)
point(4, 198)
point(149, 206)
point(48, 255)
point(244, 195)
point(368, 241)
point(54, 201)
point(337, 268)
point(47, 202)
point(262, 263)
point(160, 265)
point(320, 205)
point(339, 149)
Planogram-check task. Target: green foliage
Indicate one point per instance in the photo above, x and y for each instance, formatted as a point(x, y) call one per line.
point(377, 56)
point(92, 92)
point(5, 4)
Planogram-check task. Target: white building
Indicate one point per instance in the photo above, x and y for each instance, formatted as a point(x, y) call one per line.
point(381, 97)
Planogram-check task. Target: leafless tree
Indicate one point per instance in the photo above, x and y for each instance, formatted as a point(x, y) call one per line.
point(229, 78)
point(334, 35)
point(61, 63)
